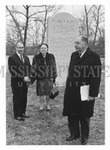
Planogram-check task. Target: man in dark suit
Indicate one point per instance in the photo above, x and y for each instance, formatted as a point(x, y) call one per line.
point(19, 67)
point(84, 70)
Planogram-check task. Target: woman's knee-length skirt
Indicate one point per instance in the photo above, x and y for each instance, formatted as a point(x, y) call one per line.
point(44, 87)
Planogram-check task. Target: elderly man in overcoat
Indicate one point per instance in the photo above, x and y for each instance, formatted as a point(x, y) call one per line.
point(84, 70)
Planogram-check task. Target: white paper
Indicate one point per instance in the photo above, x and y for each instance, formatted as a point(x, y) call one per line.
point(84, 92)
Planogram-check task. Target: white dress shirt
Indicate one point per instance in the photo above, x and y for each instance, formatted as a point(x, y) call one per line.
point(83, 52)
point(20, 56)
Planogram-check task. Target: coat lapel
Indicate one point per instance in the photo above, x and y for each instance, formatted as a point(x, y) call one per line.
point(18, 59)
point(86, 54)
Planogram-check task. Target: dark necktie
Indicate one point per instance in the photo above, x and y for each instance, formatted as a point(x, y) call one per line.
point(22, 59)
point(79, 56)
point(44, 61)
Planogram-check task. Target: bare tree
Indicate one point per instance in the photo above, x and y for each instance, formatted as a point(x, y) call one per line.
point(46, 10)
point(87, 18)
point(29, 14)
point(96, 17)
point(21, 28)
point(91, 21)
point(16, 23)
point(34, 37)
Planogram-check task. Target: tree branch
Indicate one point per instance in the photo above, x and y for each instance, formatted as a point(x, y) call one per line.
point(38, 6)
point(32, 15)
point(18, 12)
point(16, 23)
point(90, 8)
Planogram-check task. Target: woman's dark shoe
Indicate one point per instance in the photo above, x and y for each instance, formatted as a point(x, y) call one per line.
point(71, 138)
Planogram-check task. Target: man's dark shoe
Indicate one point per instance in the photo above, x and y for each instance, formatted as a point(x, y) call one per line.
point(71, 138)
point(25, 116)
point(84, 142)
point(19, 118)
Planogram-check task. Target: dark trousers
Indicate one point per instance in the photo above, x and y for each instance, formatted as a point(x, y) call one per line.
point(19, 100)
point(79, 125)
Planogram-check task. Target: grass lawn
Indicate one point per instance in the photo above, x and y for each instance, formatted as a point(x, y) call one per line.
point(49, 128)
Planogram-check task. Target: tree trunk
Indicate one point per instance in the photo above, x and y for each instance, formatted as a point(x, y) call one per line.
point(97, 24)
point(45, 20)
point(87, 26)
point(26, 27)
point(16, 23)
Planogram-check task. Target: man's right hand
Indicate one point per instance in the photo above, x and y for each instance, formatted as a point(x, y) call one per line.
point(26, 79)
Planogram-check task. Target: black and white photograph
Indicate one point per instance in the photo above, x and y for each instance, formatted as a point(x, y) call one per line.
point(55, 73)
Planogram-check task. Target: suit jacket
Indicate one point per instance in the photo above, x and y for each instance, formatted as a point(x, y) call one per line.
point(18, 70)
point(83, 71)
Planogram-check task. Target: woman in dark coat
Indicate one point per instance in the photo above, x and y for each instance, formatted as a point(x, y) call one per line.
point(44, 71)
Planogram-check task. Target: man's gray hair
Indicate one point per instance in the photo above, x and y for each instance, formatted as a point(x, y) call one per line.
point(83, 38)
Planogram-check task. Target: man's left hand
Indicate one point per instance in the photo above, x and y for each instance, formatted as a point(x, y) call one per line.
point(26, 79)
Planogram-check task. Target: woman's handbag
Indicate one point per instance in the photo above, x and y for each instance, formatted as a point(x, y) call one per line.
point(54, 92)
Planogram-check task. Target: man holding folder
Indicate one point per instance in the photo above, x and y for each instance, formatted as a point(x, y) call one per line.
point(82, 86)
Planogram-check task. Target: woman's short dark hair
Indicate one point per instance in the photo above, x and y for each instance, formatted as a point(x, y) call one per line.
point(44, 44)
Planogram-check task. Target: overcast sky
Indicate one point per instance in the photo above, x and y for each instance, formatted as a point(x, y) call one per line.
point(73, 9)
